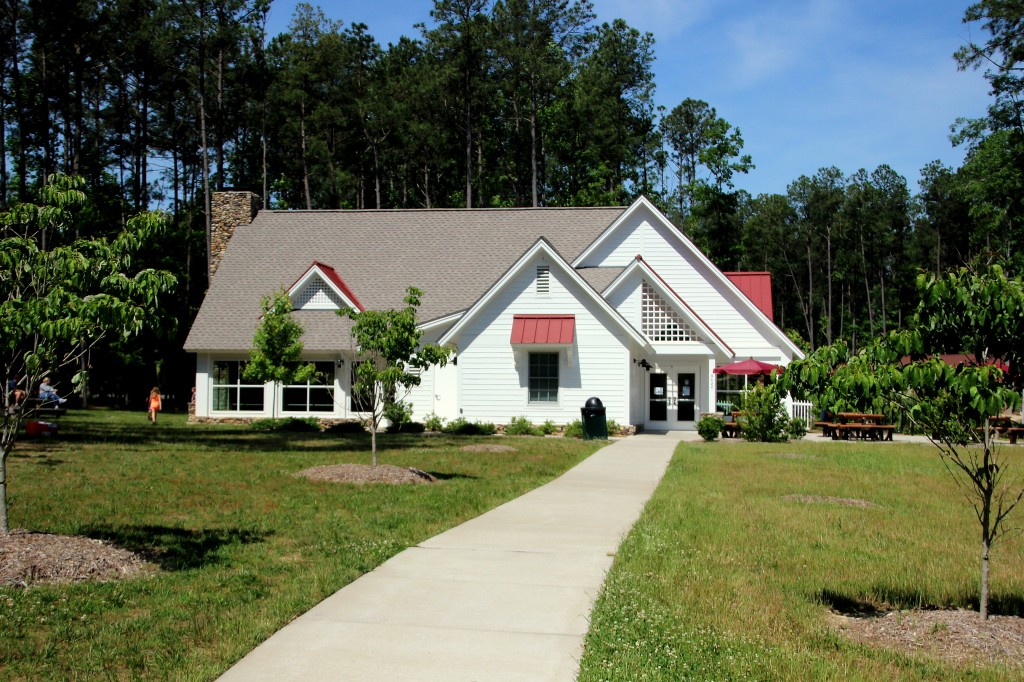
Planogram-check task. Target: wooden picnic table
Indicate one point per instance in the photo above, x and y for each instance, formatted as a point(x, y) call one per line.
point(866, 426)
point(860, 418)
point(732, 429)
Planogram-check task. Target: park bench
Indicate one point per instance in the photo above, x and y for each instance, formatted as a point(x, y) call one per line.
point(37, 408)
point(1013, 432)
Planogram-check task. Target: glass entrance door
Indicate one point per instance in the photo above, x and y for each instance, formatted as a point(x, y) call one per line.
point(686, 385)
point(659, 397)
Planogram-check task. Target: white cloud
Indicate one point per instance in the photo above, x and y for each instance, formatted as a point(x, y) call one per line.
point(782, 36)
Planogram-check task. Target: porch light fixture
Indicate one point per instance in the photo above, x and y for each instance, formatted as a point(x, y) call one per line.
point(646, 365)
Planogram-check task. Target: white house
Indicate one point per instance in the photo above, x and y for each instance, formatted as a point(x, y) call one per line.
point(545, 307)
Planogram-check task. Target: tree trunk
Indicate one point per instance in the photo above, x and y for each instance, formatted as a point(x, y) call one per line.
point(305, 164)
point(828, 258)
point(4, 525)
point(206, 188)
point(534, 180)
point(983, 601)
point(867, 285)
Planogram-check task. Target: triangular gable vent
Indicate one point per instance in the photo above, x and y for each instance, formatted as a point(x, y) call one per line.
point(321, 288)
point(659, 322)
point(317, 294)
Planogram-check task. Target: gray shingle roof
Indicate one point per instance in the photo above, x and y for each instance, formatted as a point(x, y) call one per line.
point(453, 255)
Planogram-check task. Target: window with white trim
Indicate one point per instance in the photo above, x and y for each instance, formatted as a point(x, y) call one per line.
point(230, 392)
point(316, 395)
point(659, 321)
point(543, 377)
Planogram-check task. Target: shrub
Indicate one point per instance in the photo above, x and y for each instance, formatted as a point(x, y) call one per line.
point(289, 424)
point(613, 427)
point(408, 427)
point(521, 426)
point(573, 429)
point(797, 428)
point(461, 427)
point(710, 426)
point(764, 418)
point(433, 422)
point(344, 428)
point(549, 427)
point(397, 413)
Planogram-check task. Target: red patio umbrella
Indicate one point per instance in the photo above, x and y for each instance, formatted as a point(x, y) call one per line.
point(749, 367)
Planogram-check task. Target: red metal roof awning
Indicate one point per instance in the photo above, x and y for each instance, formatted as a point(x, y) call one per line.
point(550, 329)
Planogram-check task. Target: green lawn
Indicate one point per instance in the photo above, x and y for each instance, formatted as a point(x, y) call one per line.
point(244, 545)
point(727, 577)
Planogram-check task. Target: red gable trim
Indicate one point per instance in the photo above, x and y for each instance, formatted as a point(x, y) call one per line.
point(332, 275)
point(757, 286)
point(543, 328)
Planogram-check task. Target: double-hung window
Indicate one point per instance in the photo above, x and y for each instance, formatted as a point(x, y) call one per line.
point(230, 391)
point(543, 377)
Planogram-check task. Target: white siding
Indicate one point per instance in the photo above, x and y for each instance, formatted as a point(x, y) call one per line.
point(204, 368)
point(493, 375)
point(721, 309)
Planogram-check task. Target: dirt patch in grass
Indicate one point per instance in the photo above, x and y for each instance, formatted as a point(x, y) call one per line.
point(366, 473)
point(487, 447)
point(824, 499)
point(955, 636)
point(28, 558)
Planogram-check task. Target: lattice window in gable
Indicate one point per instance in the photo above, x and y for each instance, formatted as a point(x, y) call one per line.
point(317, 295)
point(660, 322)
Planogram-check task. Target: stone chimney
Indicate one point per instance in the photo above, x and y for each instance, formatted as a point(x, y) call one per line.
point(228, 210)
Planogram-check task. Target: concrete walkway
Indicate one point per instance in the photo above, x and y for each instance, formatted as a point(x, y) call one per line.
point(503, 597)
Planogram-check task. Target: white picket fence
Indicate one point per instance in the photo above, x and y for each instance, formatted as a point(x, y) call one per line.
point(800, 408)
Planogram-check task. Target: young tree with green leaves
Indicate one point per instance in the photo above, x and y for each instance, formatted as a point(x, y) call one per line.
point(58, 302)
point(389, 357)
point(979, 314)
point(277, 348)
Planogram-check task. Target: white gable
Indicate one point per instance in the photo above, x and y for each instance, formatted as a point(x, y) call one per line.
point(643, 231)
point(317, 294)
point(316, 290)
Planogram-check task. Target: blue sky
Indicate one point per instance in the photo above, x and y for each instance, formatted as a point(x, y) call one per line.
point(810, 83)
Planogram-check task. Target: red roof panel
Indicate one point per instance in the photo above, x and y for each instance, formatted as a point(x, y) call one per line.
point(757, 286)
point(543, 328)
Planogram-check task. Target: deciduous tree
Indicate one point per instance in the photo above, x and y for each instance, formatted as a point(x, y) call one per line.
point(58, 303)
point(389, 357)
point(277, 347)
point(978, 314)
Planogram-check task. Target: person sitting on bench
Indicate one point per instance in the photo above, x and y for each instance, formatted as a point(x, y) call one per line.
point(48, 394)
point(15, 394)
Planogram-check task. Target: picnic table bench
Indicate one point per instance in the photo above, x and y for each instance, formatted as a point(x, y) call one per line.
point(730, 430)
point(1013, 432)
point(34, 408)
point(859, 425)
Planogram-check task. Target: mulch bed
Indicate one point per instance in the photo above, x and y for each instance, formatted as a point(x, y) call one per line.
point(28, 558)
point(366, 473)
point(956, 636)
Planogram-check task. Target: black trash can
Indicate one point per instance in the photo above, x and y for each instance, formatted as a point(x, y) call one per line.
point(595, 425)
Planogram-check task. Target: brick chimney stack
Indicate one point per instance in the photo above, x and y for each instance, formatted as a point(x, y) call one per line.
point(228, 210)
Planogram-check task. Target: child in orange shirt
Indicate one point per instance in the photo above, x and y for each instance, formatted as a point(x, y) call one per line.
point(155, 405)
